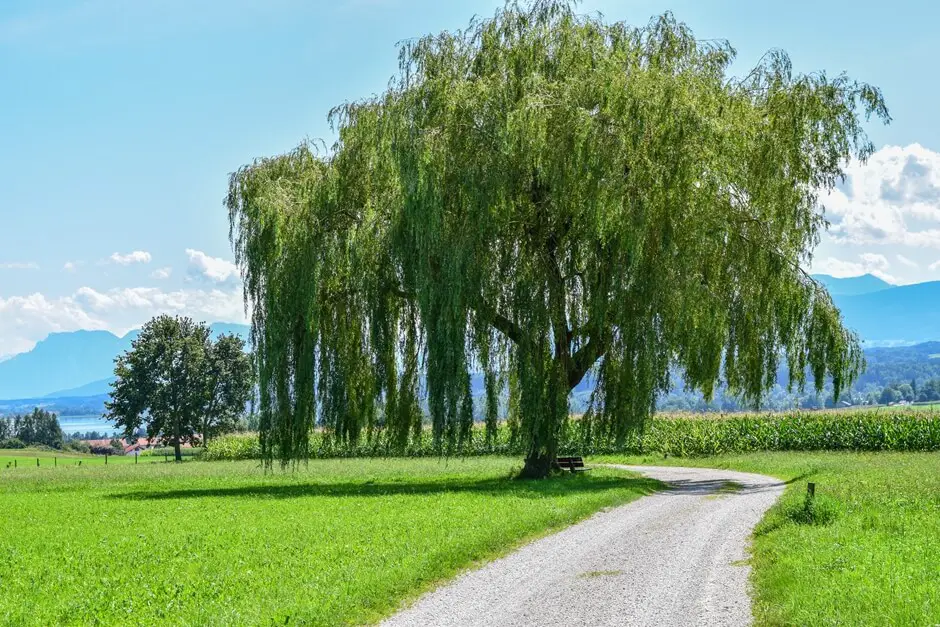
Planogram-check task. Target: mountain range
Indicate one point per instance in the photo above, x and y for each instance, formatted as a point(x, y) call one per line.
point(883, 314)
point(80, 364)
point(74, 364)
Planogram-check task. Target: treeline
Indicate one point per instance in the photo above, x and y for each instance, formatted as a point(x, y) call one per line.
point(37, 428)
point(925, 392)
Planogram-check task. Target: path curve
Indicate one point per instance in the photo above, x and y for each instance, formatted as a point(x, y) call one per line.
point(671, 558)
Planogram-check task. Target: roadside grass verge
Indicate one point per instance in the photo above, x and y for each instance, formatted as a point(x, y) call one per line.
point(865, 551)
point(332, 542)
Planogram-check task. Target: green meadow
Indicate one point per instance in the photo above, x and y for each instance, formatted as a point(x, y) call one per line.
point(334, 541)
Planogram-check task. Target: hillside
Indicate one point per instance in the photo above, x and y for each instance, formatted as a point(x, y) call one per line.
point(903, 314)
point(852, 286)
point(78, 363)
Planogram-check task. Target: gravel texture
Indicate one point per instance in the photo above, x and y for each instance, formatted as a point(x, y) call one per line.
point(672, 558)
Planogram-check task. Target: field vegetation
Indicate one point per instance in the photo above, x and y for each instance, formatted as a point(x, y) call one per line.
point(863, 552)
point(880, 429)
point(338, 541)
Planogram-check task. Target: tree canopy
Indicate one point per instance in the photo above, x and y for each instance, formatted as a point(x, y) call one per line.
point(181, 383)
point(538, 196)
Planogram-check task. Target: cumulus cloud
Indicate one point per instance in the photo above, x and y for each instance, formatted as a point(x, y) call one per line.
point(869, 263)
point(935, 265)
point(910, 263)
point(19, 265)
point(162, 273)
point(894, 198)
point(214, 269)
point(138, 256)
point(24, 320)
point(70, 266)
point(27, 319)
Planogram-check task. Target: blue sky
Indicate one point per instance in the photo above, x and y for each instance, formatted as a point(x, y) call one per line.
point(120, 121)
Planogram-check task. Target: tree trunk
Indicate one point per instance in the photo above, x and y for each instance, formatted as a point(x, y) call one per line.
point(176, 449)
point(538, 465)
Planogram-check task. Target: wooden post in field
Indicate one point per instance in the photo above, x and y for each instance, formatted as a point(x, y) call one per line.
point(55, 462)
point(165, 460)
point(105, 459)
point(135, 457)
point(37, 462)
point(79, 462)
point(811, 490)
point(14, 463)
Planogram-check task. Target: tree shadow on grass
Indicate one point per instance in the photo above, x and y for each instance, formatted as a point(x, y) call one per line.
point(556, 486)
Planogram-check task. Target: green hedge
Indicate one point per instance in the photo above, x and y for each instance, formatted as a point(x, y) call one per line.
point(854, 430)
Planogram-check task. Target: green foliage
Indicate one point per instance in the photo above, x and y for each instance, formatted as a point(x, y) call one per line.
point(180, 383)
point(38, 427)
point(853, 430)
point(233, 447)
point(74, 446)
point(542, 194)
point(213, 543)
point(12, 443)
point(869, 556)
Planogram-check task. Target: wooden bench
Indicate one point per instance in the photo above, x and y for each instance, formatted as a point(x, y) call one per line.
point(574, 464)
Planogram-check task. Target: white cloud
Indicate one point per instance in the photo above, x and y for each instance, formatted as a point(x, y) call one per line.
point(70, 266)
point(19, 265)
point(870, 263)
point(872, 260)
point(24, 320)
point(138, 256)
point(910, 263)
point(894, 198)
point(214, 269)
point(162, 273)
point(934, 265)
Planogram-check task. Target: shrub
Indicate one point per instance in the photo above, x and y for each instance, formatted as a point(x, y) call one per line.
point(76, 446)
point(12, 443)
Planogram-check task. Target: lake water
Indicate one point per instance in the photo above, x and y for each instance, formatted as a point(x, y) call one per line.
point(83, 424)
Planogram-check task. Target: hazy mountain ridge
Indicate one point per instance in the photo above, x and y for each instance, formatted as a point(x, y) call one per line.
point(81, 363)
point(852, 286)
point(75, 363)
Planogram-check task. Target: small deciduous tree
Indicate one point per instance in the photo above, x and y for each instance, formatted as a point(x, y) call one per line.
point(538, 196)
point(179, 383)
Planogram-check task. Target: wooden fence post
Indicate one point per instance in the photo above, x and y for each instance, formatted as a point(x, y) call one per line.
point(37, 462)
point(811, 490)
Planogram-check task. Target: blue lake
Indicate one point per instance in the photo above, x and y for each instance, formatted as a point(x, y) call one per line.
point(83, 424)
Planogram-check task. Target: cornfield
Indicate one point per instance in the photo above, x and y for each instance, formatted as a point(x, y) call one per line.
point(684, 435)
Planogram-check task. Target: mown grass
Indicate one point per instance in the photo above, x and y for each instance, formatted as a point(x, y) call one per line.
point(342, 541)
point(27, 457)
point(867, 552)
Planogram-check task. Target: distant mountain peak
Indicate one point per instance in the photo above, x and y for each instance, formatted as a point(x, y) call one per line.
point(853, 285)
point(74, 362)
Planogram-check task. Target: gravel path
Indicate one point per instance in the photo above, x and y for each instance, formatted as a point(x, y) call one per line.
point(672, 558)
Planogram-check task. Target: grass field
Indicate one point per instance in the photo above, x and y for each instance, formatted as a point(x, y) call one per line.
point(53, 459)
point(341, 541)
point(869, 556)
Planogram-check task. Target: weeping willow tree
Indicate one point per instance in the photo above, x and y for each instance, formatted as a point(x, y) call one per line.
point(542, 196)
